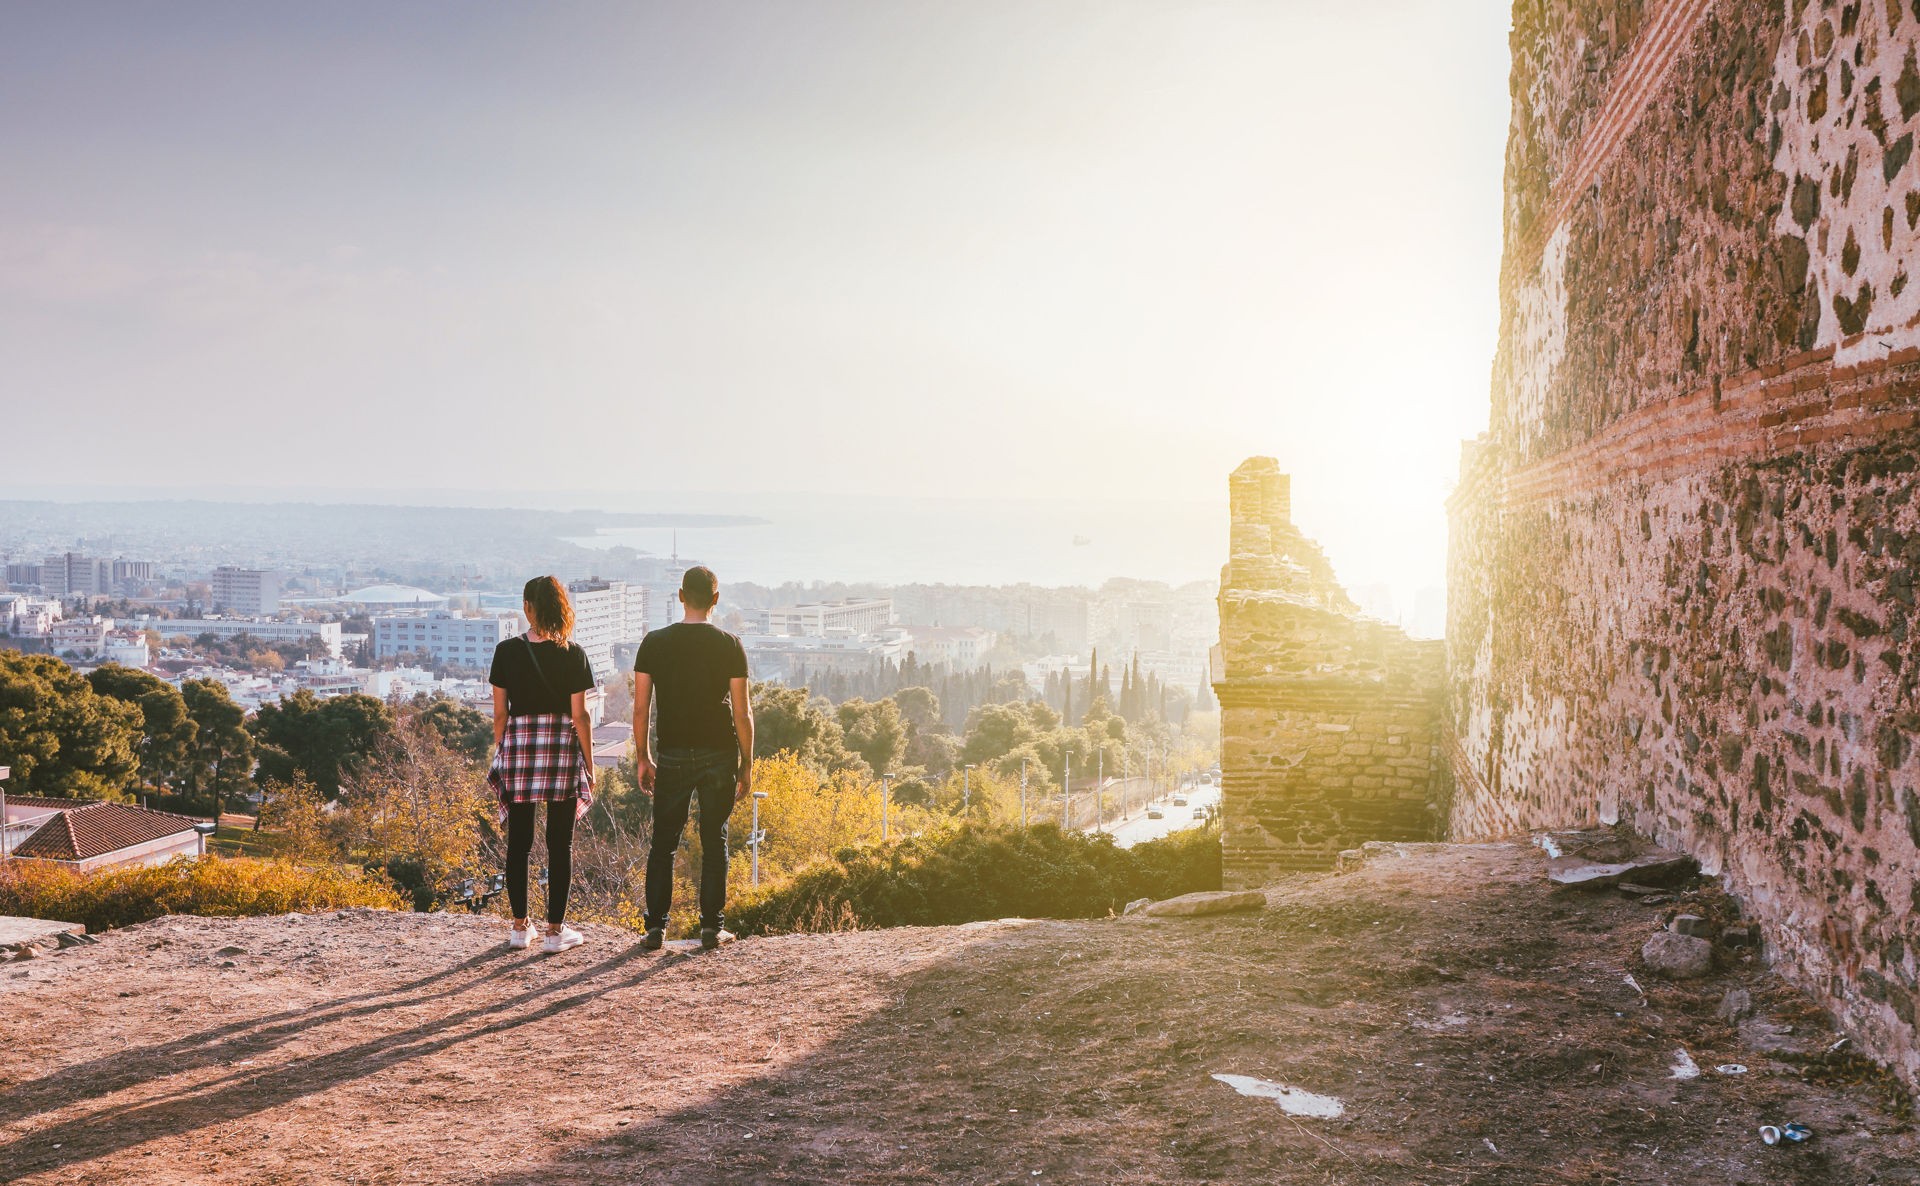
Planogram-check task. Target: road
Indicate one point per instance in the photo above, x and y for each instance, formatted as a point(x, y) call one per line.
point(1138, 827)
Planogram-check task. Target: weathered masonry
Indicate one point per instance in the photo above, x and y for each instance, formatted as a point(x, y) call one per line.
point(1329, 721)
point(1683, 557)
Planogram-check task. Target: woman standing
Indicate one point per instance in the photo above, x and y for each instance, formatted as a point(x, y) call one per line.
point(542, 736)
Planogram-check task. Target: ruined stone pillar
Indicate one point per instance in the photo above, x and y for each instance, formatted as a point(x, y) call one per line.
point(1329, 720)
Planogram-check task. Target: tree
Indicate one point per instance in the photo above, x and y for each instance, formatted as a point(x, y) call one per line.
point(807, 815)
point(461, 728)
point(919, 707)
point(166, 731)
point(323, 739)
point(619, 702)
point(222, 755)
point(874, 730)
point(416, 809)
point(60, 736)
point(789, 720)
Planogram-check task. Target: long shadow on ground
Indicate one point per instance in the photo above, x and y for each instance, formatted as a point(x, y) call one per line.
point(245, 1093)
point(1489, 1039)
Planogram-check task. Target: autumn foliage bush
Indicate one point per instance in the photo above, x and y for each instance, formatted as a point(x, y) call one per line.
point(970, 872)
point(208, 886)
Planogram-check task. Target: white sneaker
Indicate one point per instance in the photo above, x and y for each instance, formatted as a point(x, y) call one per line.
point(567, 937)
point(519, 939)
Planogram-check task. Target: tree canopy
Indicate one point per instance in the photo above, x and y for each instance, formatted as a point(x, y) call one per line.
point(323, 739)
point(61, 737)
point(167, 732)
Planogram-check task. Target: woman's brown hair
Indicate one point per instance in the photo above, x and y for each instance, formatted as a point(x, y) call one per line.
point(549, 609)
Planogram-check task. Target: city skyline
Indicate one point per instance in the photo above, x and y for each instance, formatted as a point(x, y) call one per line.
point(1030, 251)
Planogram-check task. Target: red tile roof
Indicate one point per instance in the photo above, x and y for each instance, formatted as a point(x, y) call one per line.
point(43, 801)
point(94, 829)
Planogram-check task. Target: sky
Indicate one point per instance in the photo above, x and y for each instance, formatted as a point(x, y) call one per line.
point(996, 250)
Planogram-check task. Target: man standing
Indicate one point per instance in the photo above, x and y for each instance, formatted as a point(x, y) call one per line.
point(703, 744)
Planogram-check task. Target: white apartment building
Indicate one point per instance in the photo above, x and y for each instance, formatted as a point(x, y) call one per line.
point(324, 634)
point(448, 639)
point(960, 649)
point(851, 618)
point(82, 636)
point(605, 614)
point(28, 617)
point(128, 648)
point(252, 591)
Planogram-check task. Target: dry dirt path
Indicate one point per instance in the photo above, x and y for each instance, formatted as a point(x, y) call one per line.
point(1478, 1028)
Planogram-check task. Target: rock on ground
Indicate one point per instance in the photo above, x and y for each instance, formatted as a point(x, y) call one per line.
point(1208, 902)
point(1677, 956)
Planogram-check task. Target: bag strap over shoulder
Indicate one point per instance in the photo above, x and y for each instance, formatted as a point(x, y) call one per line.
point(533, 656)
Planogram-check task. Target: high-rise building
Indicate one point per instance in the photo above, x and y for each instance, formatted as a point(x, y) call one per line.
point(72, 575)
point(245, 590)
point(605, 614)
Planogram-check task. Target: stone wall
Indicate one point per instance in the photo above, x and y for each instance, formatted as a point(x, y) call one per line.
point(1682, 559)
point(1330, 722)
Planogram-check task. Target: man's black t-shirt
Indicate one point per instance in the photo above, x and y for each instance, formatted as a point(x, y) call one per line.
point(691, 664)
point(565, 667)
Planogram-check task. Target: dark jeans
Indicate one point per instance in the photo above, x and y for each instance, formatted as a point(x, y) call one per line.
point(681, 774)
point(559, 855)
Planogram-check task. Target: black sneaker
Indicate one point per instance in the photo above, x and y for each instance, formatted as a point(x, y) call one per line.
point(652, 940)
point(712, 937)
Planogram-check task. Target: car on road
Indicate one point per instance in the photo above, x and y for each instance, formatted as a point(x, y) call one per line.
point(1199, 813)
point(1179, 800)
point(1155, 813)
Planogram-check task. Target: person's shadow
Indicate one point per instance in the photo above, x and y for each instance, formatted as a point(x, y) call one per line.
point(244, 1092)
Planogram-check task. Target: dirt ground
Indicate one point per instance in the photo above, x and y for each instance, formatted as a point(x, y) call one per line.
point(1478, 1027)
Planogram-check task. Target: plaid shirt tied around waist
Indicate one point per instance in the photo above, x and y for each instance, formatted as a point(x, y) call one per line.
point(539, 761)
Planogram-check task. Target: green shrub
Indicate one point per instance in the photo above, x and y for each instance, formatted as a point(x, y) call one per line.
point(209, 886)
point(966, 873)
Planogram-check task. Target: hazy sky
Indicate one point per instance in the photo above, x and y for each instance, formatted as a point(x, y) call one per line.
point(960, 249)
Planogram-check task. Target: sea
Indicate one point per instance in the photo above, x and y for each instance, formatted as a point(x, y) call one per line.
point(815, 537)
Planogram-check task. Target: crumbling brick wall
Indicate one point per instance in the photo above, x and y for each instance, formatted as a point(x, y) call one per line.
point(1681, 587)
point(1330, 721)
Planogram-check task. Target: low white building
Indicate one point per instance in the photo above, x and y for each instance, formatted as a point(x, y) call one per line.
point(81, 636)
point(128, 648)
point(87, 836)
point(325, 635)
point(852, 618)
point(443, 637)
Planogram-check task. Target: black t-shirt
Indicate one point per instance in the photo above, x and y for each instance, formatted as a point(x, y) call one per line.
point(691, 664)
point(566, 669)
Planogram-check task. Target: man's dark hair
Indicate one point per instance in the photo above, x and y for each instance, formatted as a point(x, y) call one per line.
point(700, 588)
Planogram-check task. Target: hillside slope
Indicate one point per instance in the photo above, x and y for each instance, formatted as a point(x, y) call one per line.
point(1478, 1028)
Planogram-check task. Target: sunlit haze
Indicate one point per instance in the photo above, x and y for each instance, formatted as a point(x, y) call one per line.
point(1033, 251)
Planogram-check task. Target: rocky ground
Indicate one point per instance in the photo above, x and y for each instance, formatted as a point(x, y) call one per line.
point(1476, 1025)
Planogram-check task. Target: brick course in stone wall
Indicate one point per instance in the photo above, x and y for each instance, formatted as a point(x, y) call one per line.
point(1330, 722)
point(1681, 587)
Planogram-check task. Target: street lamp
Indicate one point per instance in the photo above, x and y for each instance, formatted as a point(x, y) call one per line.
point(1066, 795)
point(755, 836)
point(6, 772)
point(1023, 792)
point(886, 794)
point(966, 788)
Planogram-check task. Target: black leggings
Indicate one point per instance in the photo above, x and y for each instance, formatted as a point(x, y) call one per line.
point(559, 856)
